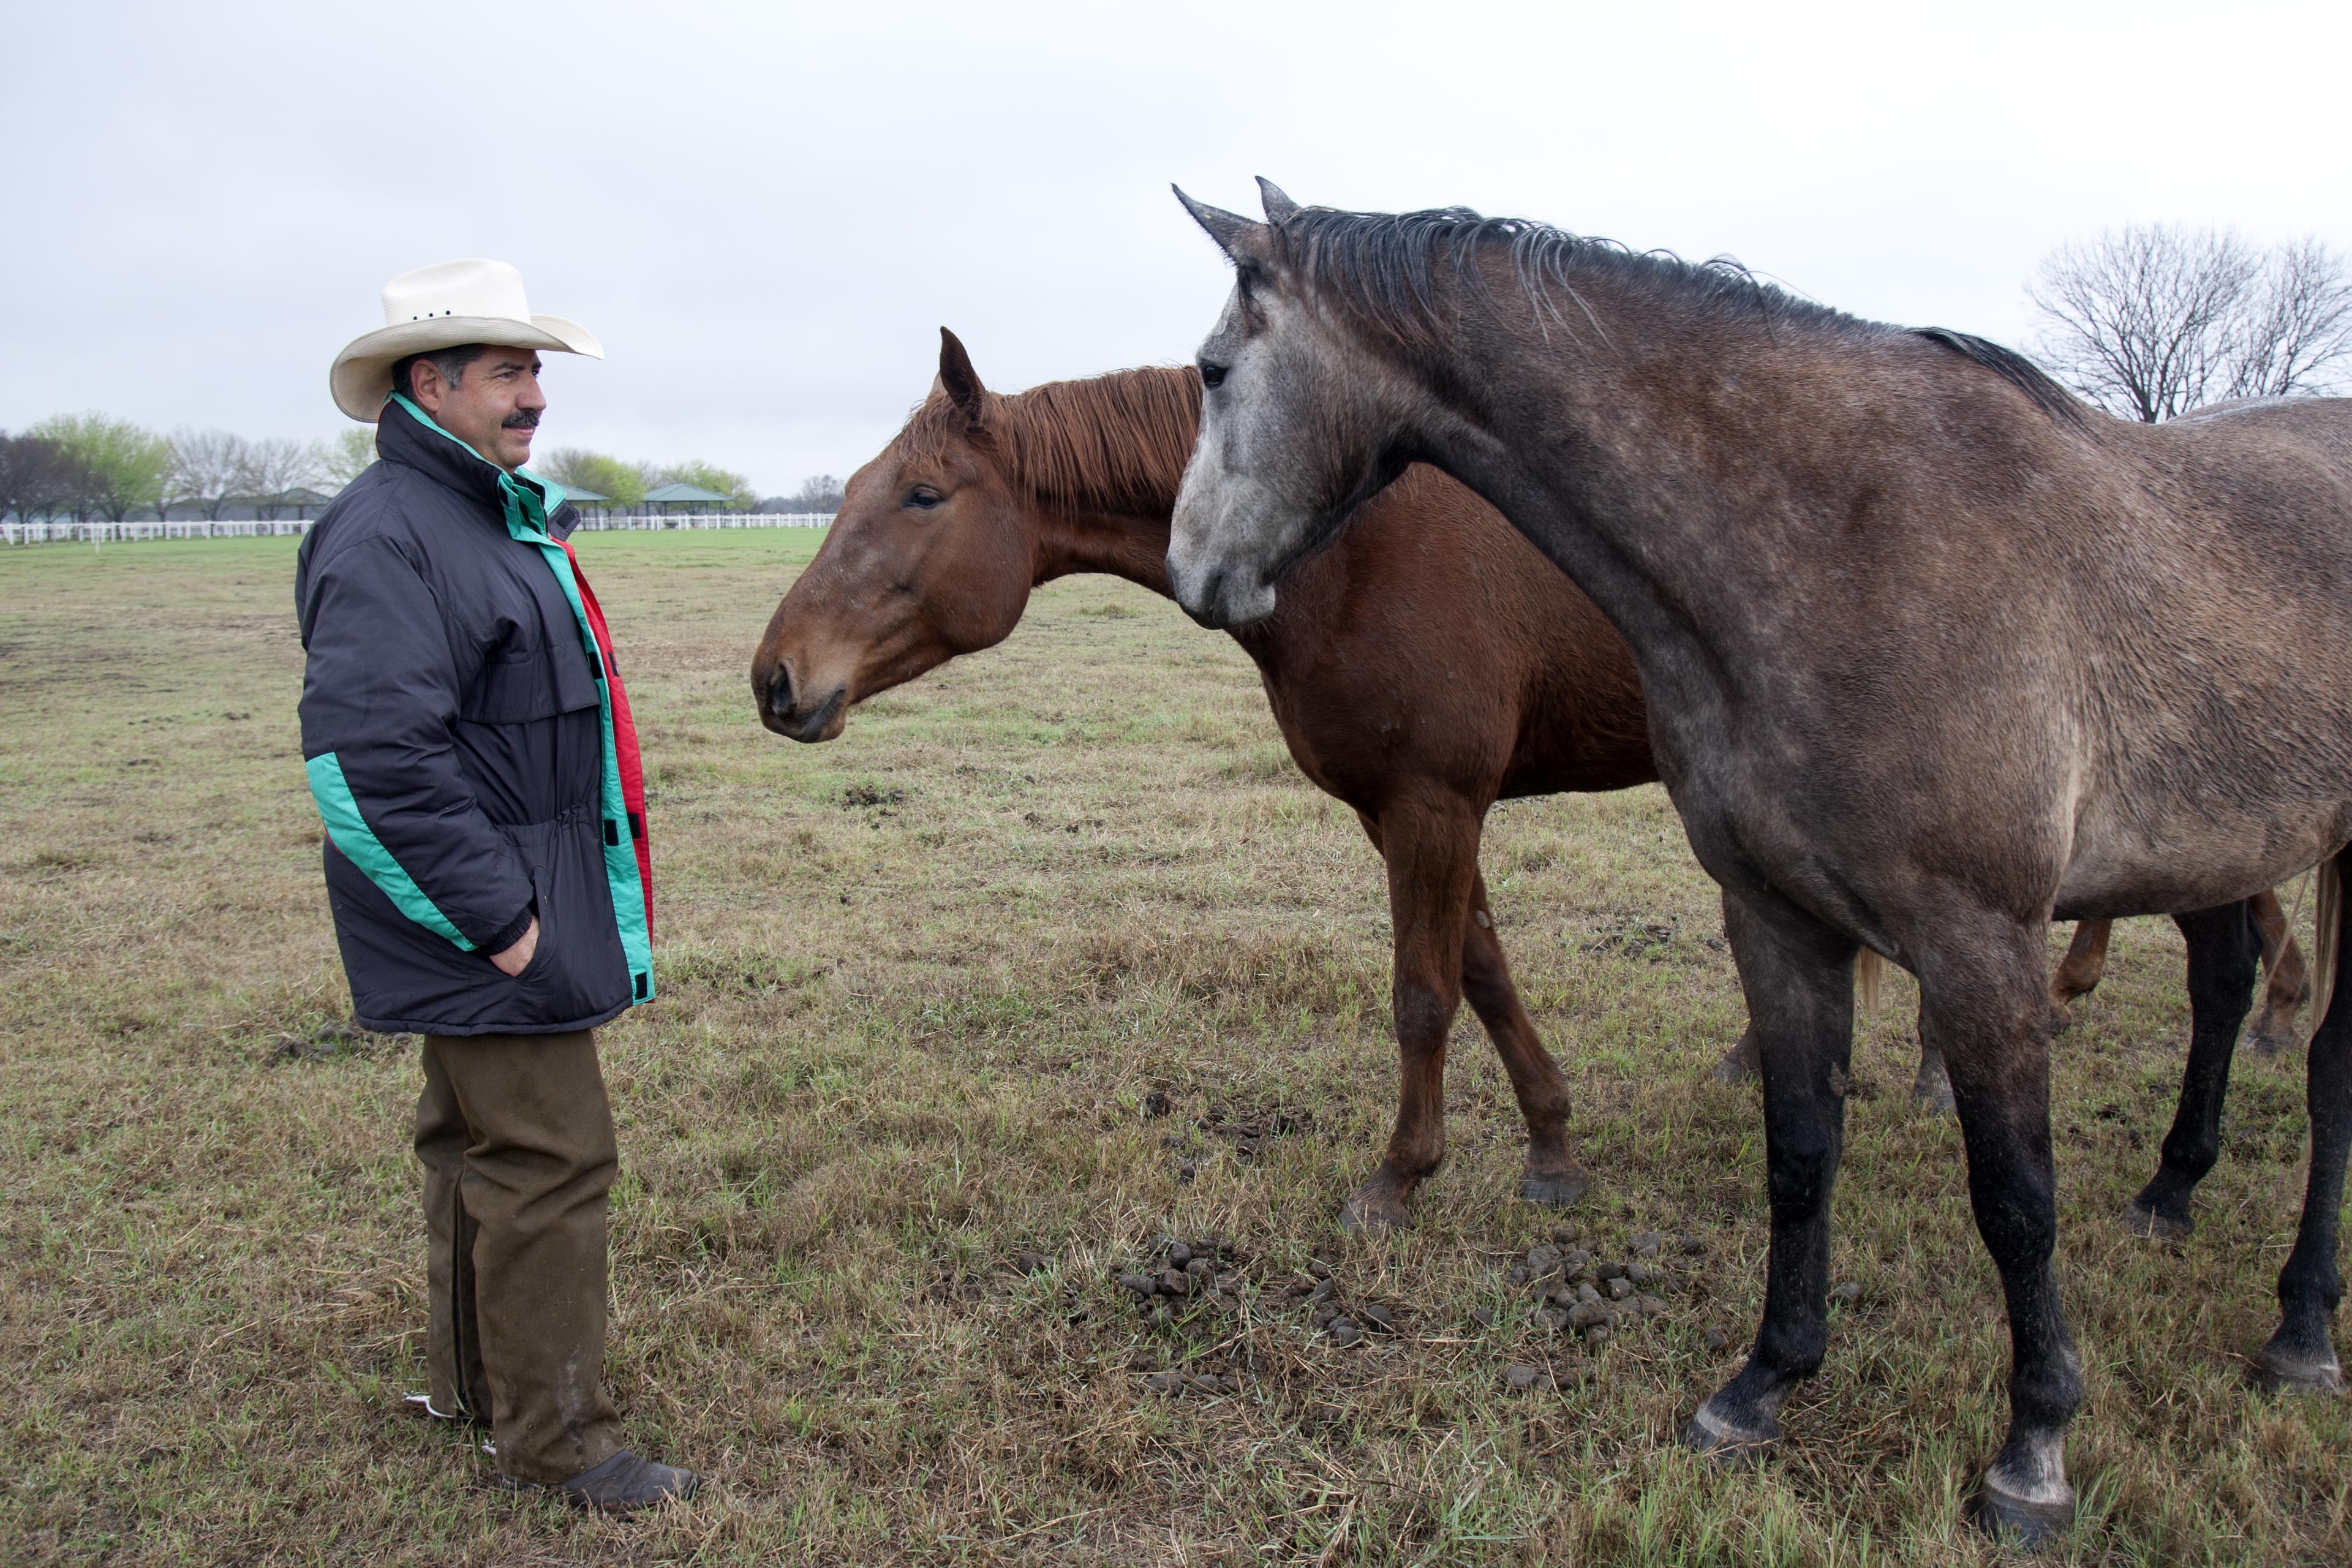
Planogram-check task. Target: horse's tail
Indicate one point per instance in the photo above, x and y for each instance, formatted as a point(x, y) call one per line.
point(1869, 969)
point(2329, 925)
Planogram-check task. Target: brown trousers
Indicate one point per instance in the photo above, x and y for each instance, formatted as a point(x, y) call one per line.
point(516, 1137)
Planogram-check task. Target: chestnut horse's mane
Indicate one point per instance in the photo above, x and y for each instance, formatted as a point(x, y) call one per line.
point(1385, 266)
point(1118, 441)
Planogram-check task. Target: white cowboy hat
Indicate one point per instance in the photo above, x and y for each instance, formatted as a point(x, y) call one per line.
point(442, 307)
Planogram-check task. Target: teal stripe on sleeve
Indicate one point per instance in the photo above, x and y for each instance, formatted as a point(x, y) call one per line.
point(360, 845)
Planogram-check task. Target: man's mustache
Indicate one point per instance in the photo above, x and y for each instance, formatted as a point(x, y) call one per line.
point(523, 419)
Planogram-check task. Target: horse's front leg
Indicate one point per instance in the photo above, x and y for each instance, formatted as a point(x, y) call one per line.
point(1431, 850)
point(2224, 944)
point(1552, 1175)
point(1986, 1006)
point(1798, 976)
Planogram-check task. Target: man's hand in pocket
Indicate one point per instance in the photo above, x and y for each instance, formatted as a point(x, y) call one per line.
point(517, 958)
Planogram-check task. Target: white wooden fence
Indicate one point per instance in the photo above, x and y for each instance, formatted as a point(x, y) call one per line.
point(707, 519)
point(55, 532)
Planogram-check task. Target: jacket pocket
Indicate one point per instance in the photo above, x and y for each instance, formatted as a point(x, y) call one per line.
point(579, 969)
point(516, 691)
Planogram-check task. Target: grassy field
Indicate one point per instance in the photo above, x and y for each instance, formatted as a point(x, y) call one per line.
point(1051, 954)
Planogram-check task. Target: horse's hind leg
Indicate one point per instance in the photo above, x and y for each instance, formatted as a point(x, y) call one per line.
point(2223, 944)
point(2080, 972)
point(1798, 976)
point(1431, 850)
point(1744, 1060)
point(2290, 982)
point(1986, 1006)
point(1552, 1175)
point(2300, 1354)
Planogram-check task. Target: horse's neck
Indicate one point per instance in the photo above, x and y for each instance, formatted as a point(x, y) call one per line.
point(1121, 544)
point(1119, 524)
point(1666, 466)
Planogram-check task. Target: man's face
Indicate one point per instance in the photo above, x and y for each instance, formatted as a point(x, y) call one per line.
point(494, 407)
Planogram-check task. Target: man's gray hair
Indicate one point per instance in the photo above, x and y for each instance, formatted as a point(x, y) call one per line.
point(450, 363)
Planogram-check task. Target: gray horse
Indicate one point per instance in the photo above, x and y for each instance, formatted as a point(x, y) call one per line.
point(1933, 653)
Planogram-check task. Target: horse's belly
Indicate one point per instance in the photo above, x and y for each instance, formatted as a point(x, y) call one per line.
point(2190, 861)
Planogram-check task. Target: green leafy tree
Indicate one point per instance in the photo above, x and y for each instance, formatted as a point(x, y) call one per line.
point(120, 467)
point(574, 469)
point(741, 496)
point(348, 456)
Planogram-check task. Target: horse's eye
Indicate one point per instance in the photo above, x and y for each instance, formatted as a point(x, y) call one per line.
point(924, 496)
point(1212, 373)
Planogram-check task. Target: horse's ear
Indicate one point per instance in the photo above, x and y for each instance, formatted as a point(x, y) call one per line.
point(958, 379)
point(1237, 236)
point(1279, 208)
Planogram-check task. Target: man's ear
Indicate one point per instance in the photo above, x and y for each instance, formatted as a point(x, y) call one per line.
point(1242, 242)
point(958, 380)
point(426, 387)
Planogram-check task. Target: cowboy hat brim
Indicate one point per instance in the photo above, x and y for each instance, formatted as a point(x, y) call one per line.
point(361, 378)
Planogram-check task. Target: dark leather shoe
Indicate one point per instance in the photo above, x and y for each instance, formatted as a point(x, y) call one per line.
point(622, 1484)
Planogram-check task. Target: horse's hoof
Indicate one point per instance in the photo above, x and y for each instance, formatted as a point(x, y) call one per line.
point(1557, 1189)
point(1734, 1069)
point(1936, 1099)
point(2032, 1525)
point(2274, 1371)
point(1724, 1444)
point(2143, 1221)
point(1360, 1215)
point(2271, 1039)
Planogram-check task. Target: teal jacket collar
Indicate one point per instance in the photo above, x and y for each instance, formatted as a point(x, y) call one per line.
point(405, 434)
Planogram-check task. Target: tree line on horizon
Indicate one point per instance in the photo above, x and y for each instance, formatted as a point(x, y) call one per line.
point(90, 467)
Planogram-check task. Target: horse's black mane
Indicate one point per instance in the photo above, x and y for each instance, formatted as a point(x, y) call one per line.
point(2011, 366)
point(1386, 266)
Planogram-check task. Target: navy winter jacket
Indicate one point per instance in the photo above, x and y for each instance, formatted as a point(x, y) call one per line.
point(469, 747)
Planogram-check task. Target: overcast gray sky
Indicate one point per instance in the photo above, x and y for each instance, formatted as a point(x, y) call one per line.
point(767, 210)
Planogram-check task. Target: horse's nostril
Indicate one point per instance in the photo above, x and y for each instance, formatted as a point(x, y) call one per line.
point(779, 692)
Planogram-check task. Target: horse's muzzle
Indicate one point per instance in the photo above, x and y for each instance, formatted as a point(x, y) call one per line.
point(1220, 597)
point(780, 707)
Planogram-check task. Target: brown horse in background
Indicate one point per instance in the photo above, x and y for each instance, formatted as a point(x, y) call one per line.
point(982, 497)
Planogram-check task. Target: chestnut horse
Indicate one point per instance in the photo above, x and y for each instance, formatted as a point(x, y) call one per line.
point(1934, 655)
point(982, 497)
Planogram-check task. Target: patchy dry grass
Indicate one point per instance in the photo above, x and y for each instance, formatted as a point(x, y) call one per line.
point(920, 987)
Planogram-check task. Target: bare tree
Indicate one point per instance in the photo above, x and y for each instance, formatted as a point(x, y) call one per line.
point(820, 493)
point(207, 468)
point(2157, 320)
point(2299, 328)
point(276, 465)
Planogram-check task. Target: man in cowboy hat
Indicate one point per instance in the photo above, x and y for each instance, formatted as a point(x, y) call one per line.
point(469, 745)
